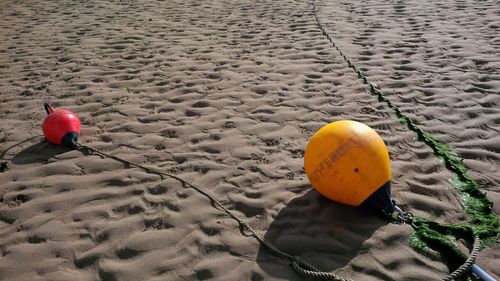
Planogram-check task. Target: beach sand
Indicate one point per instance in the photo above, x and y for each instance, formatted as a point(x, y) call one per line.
point(226, 94)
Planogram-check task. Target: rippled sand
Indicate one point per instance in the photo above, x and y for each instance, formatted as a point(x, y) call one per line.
point(226, 94)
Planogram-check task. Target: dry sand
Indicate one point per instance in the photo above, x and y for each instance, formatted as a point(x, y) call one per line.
point(226, 94)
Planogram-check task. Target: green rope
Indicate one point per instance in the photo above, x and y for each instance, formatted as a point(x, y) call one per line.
point(431, 237)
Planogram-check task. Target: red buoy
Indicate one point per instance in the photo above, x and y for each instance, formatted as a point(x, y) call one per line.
point(61, 126)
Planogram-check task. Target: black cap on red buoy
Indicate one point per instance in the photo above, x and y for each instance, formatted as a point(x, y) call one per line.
point(70, 139)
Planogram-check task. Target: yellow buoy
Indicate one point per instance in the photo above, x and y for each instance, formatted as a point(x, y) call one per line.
point(347, 162)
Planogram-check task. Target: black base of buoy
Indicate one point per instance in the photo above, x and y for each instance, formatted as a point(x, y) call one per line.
point(380, 200)
point(70, 140)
